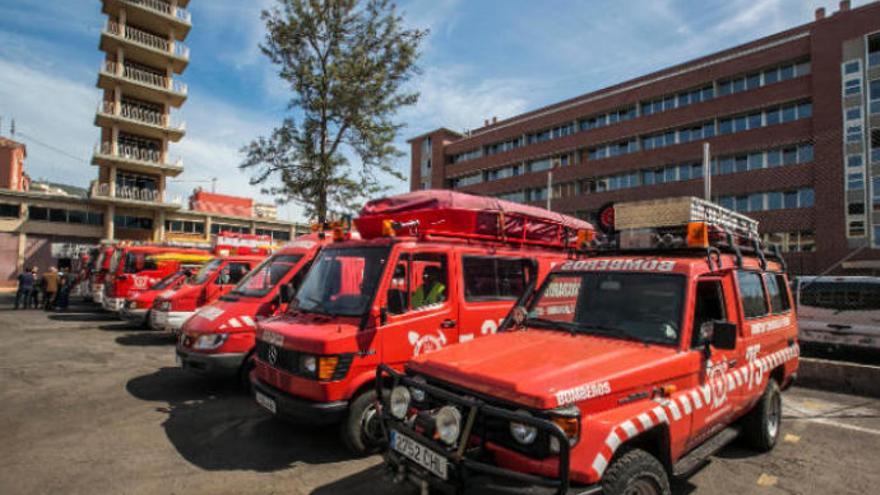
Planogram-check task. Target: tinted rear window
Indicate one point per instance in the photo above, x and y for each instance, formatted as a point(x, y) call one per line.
point(489, 279)
point(752, 294)
point(779, 302)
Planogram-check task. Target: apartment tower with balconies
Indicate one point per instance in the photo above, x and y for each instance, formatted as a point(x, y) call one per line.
point(139, 78)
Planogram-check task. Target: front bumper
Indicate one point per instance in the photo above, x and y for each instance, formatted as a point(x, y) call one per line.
point(98, 294)
point(138, 316)
point(220, 365)
point(169, 321)
point(113, 304)
point(301, 410)
point(470, 465)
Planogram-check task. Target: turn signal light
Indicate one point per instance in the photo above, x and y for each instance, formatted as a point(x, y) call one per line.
point(584, 237)
point(569, 425)
point(388, 228)
point(327, 366)
point(697, 234)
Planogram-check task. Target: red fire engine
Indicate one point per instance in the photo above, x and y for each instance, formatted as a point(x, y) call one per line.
point(433, 268)
point(238, 254)
point(626, 367)
point(219, 339)
point(134, 268)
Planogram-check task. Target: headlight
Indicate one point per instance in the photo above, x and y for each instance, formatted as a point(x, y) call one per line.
point(309, 364)
point(400, 398)
point(448, 423)
point(418, 394)
point(523, 433)
point(320, 367)
point(210, 341)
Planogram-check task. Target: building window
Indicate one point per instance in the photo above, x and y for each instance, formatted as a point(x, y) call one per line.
point(132, 222)
point(852, 87)
point(772, 200)
point(854, 133)
point(852, 67)
point(874, 51)
point(9, 211)
point(875, 146)
point(856, 229)
point(184, 227)
point(874, 105)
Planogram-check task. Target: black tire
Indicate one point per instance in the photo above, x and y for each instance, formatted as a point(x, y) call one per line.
point(361, 431)
point(244, 372)
point(636, 472)
point(146, 324)
point(762, 424)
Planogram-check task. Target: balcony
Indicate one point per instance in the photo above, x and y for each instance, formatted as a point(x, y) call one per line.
point(145, 47)
point(140, 83)
point(133, 196)
point(135, 159)
point(155, 15)
point(140, 121)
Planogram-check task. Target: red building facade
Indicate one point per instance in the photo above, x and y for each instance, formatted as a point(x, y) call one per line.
point(792, 120)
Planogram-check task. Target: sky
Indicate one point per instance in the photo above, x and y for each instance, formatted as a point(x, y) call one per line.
point(482, 58)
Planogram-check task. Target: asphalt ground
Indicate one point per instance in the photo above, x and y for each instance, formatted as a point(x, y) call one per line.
point(88, 405)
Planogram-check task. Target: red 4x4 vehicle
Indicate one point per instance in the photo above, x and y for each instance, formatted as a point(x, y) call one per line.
point(454, 271)
point(623, 368)
point(219, 338)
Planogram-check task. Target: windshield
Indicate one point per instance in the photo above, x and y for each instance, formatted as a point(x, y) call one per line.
point(205, 273)
point(636, 306)
point(342, 281)
point(167, 281)
point(265, 277)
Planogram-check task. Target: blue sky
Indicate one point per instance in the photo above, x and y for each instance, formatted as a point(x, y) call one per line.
point(483, 58)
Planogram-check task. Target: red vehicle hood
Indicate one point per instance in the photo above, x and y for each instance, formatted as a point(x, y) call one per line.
point(225, 317)
point(316, 334)
point(546, 369)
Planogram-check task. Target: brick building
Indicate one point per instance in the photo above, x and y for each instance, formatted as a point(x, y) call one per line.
point(792, 119)
point(12, 155)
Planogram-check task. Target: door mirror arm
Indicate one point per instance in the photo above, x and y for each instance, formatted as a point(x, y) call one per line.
point(383, 315)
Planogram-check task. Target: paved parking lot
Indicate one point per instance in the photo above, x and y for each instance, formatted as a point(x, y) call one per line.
point(88, 405)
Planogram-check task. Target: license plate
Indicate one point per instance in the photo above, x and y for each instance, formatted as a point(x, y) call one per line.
point(423, 456)
point(265, 401)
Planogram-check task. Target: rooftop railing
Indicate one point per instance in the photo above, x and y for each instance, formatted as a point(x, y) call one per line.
point(147, 39)
point(147, 195)
point(144, 77)
point(165, 8)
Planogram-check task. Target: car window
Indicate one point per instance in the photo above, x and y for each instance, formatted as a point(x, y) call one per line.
point(493, 279)
point(420, 280)
point(709, 307)
point(232, 273)
point(751, 293)
point(779, 302)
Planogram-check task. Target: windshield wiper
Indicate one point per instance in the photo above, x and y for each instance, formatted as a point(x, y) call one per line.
point(617, 332)
point(318, 306)
point(551, 324)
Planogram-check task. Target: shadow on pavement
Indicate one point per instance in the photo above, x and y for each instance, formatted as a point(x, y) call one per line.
point(82, 317)
point(145, 339)
point(215, 426)
point(370, 480)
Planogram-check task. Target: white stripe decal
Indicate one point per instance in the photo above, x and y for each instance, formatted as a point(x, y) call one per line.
point(673, 408)
point(629, 428)
point(646, 421)
point(707, 394)
point(613, 441)
point(661, 414)
point(599, 464)
point(695, 395)
point(686, 404)
point(234, 323)
point(248, 320)
point(466, 337)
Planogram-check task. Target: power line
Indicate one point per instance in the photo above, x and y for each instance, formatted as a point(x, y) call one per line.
point(51, 147)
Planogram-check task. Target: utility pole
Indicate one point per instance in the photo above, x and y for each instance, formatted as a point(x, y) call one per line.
point(707, 173)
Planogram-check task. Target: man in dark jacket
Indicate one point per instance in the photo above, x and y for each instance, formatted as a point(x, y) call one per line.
point(25, 288)
point(35, 294)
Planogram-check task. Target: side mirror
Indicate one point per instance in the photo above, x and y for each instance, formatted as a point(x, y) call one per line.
point(518, 316)
point(722, 335)
point(286, 293)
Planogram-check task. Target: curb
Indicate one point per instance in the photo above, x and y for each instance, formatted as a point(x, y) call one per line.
point(839, 376)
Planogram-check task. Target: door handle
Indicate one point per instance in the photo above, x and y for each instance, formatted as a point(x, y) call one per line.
point(447, 323)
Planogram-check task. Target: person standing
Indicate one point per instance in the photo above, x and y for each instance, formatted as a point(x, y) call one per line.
point(35, 294)
point(25, 288)
point(65, 284)
point(50, 288)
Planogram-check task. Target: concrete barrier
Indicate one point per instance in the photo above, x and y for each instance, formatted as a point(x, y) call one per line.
point(839, 376)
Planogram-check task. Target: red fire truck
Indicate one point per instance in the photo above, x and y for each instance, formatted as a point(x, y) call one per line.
point(238, 255)
point(135, 267)
point(99, 272)
point(219, 339)
point(625, 368)
point(433, 268)
point(137, 307)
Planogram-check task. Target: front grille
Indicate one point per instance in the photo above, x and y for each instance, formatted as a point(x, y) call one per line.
point(288, 361)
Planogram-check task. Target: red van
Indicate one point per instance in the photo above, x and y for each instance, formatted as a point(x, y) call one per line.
point(134, 268)
point(172, 308)
point(137, 308)
point(218, 340)
point(433, 268)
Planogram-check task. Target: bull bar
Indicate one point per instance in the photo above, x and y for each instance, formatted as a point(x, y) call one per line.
point(465, 467)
